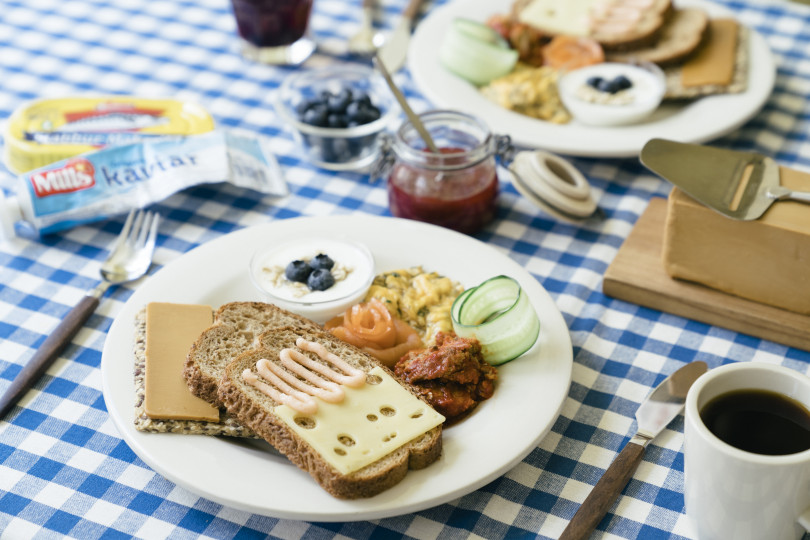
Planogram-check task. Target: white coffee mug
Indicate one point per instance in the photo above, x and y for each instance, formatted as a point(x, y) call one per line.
point(734, 494)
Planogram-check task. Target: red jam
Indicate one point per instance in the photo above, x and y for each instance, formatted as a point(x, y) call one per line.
point(462, 199)
point(271, 23)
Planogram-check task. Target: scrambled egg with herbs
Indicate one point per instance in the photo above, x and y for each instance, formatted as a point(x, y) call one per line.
point(421, 299)
point(531, 91)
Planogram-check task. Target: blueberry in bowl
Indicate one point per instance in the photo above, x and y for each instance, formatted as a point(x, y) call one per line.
point(337, 114)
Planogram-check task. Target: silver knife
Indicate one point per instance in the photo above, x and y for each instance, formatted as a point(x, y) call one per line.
point(653, 415)
point(395, 49)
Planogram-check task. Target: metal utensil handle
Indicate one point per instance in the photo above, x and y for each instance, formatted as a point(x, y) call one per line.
point(801, 196)
point(412, 9)
point(50, 349)
point(781, 193)
point(403, 103)
point(604, 493)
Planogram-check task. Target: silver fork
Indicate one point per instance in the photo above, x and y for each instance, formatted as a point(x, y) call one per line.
point(130, 259)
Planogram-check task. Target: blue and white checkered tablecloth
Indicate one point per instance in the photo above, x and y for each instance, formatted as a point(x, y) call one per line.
point(64, 469)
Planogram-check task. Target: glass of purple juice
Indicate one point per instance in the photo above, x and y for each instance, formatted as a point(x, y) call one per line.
point(274, 31)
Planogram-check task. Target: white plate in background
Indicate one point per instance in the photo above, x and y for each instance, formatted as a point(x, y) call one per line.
point(697, 121)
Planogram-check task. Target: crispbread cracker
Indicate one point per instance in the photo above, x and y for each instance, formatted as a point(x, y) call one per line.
point(739, 83)
point(227, 425)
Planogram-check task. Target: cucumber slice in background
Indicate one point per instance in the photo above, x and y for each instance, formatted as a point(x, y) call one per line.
point(476, 52)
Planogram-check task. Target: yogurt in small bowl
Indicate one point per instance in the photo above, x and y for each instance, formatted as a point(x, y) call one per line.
point(353, 272)
point(589, 104)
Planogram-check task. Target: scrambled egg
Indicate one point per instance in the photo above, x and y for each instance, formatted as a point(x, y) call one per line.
point(421, 299)
point(531, 91)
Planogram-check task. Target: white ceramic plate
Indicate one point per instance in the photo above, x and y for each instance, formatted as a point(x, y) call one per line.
point(696, 121)
point(251, 477)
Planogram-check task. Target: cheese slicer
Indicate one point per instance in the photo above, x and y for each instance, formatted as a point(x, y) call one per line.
point(740, 185)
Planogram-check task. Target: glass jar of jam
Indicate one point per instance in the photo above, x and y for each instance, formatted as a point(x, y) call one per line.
point(456, 187)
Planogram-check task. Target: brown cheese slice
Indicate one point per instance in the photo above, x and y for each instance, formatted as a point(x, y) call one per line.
point(171, 329)
point(765, 260)
point(714, 61)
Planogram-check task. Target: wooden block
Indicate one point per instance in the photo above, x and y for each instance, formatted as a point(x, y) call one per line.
point(637, 275)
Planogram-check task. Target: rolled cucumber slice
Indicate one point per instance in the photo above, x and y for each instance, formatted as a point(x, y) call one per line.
point(476, 52)
point(499, 314)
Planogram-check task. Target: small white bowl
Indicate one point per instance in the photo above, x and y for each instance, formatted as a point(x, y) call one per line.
point(319, 306)
point(642, 98)
point(338, 149)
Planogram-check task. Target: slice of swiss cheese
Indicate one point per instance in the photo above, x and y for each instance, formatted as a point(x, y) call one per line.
point(171, 329)
point(569, 17)
point(371, 422)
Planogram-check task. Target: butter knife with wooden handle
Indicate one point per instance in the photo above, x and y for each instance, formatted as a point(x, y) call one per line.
point(653, 415)
point(395, 49)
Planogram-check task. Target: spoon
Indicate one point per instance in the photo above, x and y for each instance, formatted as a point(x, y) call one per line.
point(366, 40)
point(417, 123)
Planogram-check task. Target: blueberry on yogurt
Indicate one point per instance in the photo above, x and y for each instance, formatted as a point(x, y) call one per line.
point(320, 280)
point(622, 82)
point(298, 271)
point(322, 260)
point(609, 86)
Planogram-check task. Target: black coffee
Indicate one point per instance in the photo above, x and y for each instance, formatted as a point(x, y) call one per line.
point(759, 421)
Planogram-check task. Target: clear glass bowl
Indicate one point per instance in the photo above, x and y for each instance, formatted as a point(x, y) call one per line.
point(339, 149)
point(319, 306)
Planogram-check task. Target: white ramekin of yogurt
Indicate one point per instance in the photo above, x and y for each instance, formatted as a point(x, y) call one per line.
point(351, 274)
point(593, 97)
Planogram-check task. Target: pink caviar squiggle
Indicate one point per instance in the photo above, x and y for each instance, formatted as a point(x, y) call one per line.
point(354, 377)
point(297, 400)
point(298, 363)
point(299, 394)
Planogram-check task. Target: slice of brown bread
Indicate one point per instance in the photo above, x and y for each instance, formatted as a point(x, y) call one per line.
point(679, 37)
point(236, 326)
point(645, 31)
point(256, 410)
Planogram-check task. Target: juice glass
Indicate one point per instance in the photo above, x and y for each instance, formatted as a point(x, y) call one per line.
point(274, 31)
point(455, 188)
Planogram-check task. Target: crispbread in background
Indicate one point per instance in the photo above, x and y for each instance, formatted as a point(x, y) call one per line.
point(227, 425)
point(739, 83)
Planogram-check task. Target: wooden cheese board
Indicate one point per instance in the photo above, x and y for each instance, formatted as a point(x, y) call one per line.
point(637, 275)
